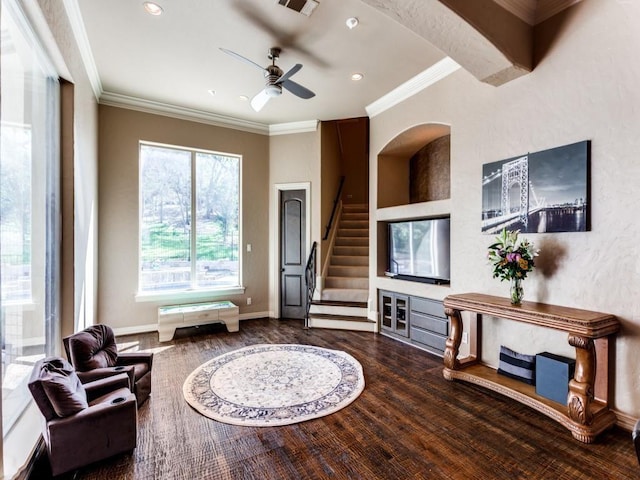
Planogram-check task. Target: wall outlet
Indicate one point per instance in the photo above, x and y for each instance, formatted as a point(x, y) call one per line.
point(465, 337)
point(248, 247)
point(248, 300)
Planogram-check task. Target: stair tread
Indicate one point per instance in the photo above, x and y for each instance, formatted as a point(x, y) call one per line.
point(348, 318)
point(339, 303)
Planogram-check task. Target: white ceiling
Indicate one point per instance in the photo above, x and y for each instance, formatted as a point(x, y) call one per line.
point(174, 59)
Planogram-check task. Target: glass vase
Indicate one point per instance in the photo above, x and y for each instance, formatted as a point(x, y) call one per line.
point(517, 292)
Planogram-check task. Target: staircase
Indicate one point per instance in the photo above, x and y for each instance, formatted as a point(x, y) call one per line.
point(343, 301)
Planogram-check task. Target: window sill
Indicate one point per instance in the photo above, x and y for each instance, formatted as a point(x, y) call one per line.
point(188, 294)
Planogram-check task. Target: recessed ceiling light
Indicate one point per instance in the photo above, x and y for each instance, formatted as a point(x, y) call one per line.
point(357, 76)
point(352, 22)
point(244, 98)
point(152, 8)
point(212, 92)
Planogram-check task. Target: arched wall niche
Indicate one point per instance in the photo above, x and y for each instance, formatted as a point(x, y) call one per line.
point(395, 172)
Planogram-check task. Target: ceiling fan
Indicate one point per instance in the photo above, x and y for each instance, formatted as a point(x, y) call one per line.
point(276, 79)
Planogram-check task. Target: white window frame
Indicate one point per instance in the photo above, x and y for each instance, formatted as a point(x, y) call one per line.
point(19, 443)
point(191, 294)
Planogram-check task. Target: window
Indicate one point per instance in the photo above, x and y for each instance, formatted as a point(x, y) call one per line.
point(189, 219)
point(29, 210)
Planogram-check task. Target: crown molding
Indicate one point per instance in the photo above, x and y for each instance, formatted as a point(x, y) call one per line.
point(436, 72)
point(194, 115)
point(293, 127)
point(79, 32)
point(184, 113)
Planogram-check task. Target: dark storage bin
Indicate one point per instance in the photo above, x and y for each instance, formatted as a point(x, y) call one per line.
point(553, 373)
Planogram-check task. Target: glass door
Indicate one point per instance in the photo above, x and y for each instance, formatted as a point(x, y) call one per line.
point(401, 315)
point(386, 311)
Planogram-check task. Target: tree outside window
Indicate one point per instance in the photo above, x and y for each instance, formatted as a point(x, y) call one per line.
point(189, 217)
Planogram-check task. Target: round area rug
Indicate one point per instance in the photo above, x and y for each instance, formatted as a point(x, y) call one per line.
point(267, 385)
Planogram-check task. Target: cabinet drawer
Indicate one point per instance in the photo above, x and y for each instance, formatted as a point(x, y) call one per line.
point(427, 322)
point(430, 339)
point(430, 307)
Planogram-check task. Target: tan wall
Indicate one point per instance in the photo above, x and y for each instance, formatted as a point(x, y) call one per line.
point(331, 171)
point(585, 88)
point(293, 159)
point(393, 181)
point(80, 178)
point(354, 140)
point(120, 132)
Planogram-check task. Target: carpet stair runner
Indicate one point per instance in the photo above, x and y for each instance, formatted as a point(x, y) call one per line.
point(343, 301)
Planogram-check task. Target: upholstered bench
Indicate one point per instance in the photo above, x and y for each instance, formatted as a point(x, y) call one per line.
point(190, 315)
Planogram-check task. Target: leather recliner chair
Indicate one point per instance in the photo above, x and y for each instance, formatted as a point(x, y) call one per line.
point(94, 354)
point(84, 423)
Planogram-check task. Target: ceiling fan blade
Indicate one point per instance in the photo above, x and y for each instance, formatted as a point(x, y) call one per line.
point(241, 58)
point(292, 71)
point(297, 89)
point(260, 100)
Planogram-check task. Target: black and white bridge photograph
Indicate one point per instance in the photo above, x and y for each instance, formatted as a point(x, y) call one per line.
point(546, 191)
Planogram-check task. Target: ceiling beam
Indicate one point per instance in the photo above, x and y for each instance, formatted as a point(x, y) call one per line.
point(491, 43)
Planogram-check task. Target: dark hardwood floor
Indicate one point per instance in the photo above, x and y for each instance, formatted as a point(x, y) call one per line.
point(409, 423)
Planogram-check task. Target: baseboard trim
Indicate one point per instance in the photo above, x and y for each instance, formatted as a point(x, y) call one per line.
point(625, 421)
point(150, 327)
point(153, 327)
point(254, 315)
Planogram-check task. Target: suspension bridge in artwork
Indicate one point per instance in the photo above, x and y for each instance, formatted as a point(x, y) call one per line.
point(512, 210)
point(517, 208)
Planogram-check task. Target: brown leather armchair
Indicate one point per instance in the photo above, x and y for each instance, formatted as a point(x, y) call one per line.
point(94, 354)
point(84, 423)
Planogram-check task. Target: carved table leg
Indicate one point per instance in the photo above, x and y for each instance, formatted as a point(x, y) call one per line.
point(453, 342)
point(581, 385)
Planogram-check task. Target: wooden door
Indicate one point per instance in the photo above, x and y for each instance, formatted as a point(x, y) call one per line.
point(292, 253)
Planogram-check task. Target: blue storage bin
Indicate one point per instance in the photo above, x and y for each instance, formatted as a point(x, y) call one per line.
point(553, 373)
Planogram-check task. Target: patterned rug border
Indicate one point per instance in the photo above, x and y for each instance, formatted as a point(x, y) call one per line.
point(198, 393)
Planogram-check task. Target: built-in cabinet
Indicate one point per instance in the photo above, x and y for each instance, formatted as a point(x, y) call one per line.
point(420, 321)
point(394, 313)
point(429, 324)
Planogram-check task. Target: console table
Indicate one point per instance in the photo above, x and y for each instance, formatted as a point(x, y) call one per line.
point(586, 413)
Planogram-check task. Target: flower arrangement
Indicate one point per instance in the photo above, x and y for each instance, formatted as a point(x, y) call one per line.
point(512, 259)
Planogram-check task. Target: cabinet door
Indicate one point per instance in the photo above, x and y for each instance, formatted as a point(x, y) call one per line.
point(401, 316)
point(386, 311)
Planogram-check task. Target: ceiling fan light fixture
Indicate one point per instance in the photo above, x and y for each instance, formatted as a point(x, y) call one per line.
point(273, 90)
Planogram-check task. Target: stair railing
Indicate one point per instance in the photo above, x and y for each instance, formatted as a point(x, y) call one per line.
point(336, 201)
point(310, 280)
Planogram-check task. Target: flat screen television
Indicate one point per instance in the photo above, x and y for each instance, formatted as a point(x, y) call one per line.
point(419, 250)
